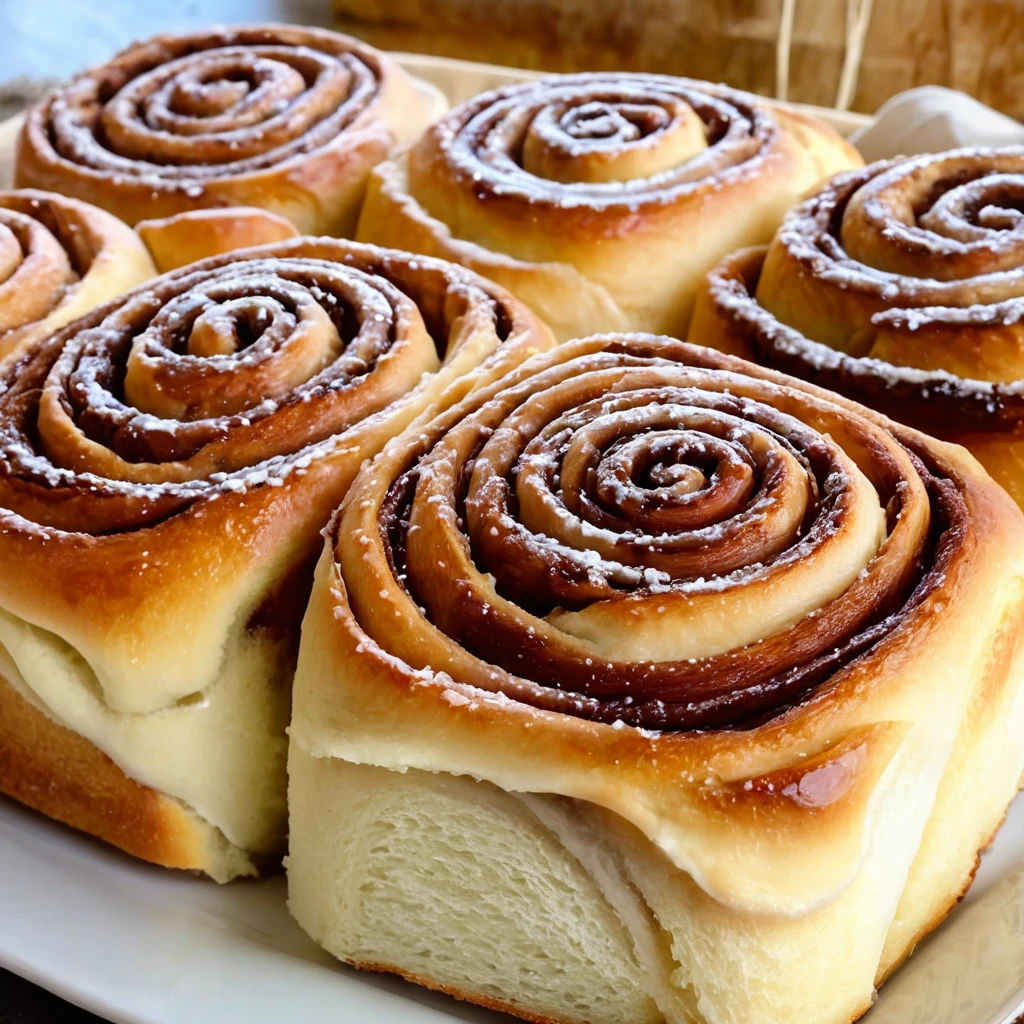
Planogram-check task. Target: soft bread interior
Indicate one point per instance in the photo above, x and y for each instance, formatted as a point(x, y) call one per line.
point(457, 885)
point(561, 912)
point(371, 850)
point(981, 779)
point(60, 773)
point(219, 754)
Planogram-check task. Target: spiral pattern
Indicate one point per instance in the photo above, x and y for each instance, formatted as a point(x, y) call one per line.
point(58, 259)
point(596, 174)
point(635, 529)
point(283, 117)
point(902, 286)
point(233, 373)
point(601, 141)
point(167, 464)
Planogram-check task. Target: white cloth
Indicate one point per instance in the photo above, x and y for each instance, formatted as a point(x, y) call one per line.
point(930, 119)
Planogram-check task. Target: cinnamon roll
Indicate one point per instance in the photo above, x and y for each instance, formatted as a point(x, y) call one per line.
point(648, 684)
point(600, 199)
point(166, 465)
point(277, 116)
point(902, 286)
point(60, 258)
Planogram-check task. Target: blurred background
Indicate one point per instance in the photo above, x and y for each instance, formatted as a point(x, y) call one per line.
point(851, 54)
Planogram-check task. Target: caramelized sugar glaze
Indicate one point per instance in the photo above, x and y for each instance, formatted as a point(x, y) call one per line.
point(176, 390)
point(762, 624)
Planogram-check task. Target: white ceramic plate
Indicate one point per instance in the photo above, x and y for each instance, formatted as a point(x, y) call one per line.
point(140, 945)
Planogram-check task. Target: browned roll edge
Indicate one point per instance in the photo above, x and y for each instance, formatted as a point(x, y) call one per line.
point(61, 774)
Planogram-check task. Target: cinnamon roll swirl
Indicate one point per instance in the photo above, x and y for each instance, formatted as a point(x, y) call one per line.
point(277, 116)
point(652, 685)
point(60, 258)
point(901, 286)
point(166, 465)
point(600, 199)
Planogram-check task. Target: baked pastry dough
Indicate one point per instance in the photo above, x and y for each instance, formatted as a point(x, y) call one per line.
point(651, 685)
point(166, 465)
point(902, 286)
point(60, 258)
point(188, 237)
point(277, 116)
point(601, 199)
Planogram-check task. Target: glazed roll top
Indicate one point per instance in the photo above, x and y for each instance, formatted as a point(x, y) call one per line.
point(901, 286)
point(694, 596)
point(600, 199)
point(165, 466)
point(626, 535)
point(60, 258)
point(283, 117)
point(635, 530)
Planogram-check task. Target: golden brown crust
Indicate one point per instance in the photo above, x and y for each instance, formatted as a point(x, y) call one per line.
point(983, 733)
point(150, 471)
point(59, 259)
point(61, 774)
point(277, 116)
point(505, 633)
point(195, 235)
point(574, 191)
point(477, 998)
point(170, 461)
